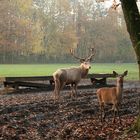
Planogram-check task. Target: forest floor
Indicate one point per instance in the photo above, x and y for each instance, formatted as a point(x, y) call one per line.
point(33, 115)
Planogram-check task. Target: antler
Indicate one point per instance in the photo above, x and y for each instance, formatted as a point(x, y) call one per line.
point(91, 55)
point(72, 53)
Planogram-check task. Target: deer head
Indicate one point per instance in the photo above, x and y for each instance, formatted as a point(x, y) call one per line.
point(85, 62)
point(120, 77)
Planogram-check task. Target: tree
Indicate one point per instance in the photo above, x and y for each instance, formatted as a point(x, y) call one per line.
point(132, 18)
point(47, 29)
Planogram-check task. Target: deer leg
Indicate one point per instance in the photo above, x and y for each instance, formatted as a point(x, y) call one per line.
point(75, 88)
point(62, 85)
point(57, 89)
point(111, 111)
point(114, 112)
point(117, 107)
point(72, 91)
point(102, 112)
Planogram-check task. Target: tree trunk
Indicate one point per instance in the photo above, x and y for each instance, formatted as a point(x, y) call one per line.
point(132, 18)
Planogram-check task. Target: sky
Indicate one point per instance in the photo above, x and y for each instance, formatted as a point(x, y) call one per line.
point(108, 3)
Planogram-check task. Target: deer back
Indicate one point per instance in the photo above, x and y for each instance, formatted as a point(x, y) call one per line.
point(107, 95)
point(68, 74)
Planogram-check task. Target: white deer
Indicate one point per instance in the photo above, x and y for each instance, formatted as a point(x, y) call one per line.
point(111, 96)
point(72, 75)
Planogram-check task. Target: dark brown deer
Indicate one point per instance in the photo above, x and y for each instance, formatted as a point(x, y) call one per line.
point(72, 75)
point(111, 96)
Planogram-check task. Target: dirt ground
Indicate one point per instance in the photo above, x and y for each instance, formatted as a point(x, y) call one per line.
point(33, 115)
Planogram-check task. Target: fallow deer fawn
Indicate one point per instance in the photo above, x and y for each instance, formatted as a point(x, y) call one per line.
point(111, 96)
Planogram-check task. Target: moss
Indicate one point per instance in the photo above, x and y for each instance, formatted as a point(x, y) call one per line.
point(135, 128)
point(138, 43)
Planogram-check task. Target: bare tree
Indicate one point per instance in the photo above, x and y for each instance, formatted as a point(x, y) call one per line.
point(132, 18)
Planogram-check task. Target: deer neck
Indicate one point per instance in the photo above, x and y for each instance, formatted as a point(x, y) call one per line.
point(119, 89)
point(84, 71)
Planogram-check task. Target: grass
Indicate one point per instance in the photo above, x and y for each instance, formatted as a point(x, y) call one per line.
point(47, 69)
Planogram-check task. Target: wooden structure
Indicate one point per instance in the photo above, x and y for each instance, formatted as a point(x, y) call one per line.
point(46, 82)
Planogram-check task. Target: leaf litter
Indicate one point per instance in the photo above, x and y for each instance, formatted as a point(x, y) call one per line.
point(36, 116)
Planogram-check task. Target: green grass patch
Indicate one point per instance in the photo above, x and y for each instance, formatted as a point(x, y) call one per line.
point(47, 69)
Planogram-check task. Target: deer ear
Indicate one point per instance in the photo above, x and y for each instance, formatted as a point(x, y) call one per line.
point(115, 73)
point(125, 73)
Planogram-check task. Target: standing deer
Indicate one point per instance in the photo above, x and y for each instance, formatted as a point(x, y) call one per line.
point(111, 96)
point(72, 75)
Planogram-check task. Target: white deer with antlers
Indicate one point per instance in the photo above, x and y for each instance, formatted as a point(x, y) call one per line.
point(72, 75)
point(111, 96)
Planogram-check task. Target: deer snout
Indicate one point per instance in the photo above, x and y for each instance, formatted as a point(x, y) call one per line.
point(89, 67)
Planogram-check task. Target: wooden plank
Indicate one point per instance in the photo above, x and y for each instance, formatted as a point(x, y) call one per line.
point(33, 78)
point(25, 84)
point(100, 75)
point(17, 82)
point(47, 86)
point(42, 78)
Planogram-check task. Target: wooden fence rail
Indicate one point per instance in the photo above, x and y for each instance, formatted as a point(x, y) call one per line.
point(37, 81)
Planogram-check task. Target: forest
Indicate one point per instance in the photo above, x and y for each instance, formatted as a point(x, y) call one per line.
point(34, 105)
point(43, 31)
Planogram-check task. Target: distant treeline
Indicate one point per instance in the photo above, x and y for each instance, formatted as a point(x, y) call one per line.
point(43, 59)
point(44, 31)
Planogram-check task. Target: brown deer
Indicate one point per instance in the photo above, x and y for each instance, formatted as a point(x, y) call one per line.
point(72, 75)
point(112, 96)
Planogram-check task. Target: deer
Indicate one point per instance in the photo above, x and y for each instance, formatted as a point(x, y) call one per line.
point(111, 95)
point(72, 75)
